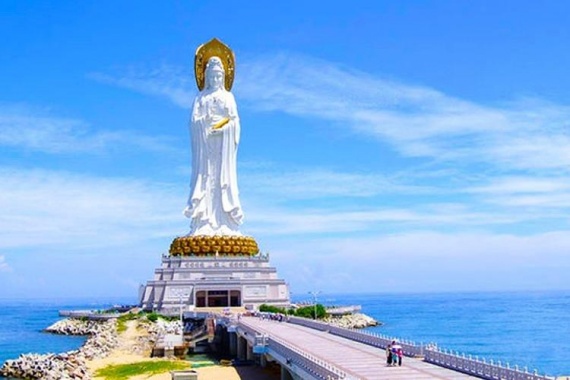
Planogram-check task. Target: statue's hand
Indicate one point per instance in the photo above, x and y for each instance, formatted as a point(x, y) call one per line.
point(215, 131)
point(220, 124)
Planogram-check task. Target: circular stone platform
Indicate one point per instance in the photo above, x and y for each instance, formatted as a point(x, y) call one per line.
point(204, 245)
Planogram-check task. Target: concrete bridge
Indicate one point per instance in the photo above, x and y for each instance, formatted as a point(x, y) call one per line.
point(307, 349)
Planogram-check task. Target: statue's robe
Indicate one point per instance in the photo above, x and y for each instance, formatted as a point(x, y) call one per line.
point(214, 205)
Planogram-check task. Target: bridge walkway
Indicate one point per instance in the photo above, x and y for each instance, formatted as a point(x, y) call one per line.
point(359, 360)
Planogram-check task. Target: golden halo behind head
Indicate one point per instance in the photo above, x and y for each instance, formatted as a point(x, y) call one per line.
point(214, 48)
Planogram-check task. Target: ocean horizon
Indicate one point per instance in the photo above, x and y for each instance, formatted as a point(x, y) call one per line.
point(528, 329)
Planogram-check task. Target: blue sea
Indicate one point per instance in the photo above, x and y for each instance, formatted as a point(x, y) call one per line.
point(22, 322)
point(528, 329)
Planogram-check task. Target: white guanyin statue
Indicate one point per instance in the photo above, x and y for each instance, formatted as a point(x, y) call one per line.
point(213, 205)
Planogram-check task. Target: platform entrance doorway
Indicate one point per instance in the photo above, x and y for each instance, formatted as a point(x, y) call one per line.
point(218, 298)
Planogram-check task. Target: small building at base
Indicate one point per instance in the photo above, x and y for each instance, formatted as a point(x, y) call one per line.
point(184, 283)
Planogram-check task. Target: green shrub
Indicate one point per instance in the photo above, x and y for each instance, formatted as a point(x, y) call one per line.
point(128, 317)
point(305, 312)
point(153, 317)
point(169, 318)
point(271, 309)
point(309, 312)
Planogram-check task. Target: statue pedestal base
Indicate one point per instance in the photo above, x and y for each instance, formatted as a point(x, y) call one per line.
point(215, 280)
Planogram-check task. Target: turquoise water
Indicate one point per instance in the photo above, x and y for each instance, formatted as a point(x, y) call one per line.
point(528, 329)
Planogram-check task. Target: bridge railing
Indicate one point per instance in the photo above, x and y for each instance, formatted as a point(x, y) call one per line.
point(311, 364)
point(479, 367)
point(432, 354)
point(247, 330)
point(318, 368)
point(310, 323)
point(376, 340)
point(197, 334)
point(381, 341)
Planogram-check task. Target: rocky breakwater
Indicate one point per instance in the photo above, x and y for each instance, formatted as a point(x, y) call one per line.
point(69, 365)
point(352, 321)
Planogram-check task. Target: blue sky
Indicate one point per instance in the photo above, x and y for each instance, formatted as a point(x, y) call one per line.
point(386, 145)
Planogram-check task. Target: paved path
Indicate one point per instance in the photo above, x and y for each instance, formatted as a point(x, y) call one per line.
point(358, 360)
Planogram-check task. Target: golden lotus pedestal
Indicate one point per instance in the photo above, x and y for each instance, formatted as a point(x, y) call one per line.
point(214, 245)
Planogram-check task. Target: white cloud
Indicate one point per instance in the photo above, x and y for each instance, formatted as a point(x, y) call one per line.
point(38, 130)
point(519, 184)
point(540, 193)
point(42, 208)
point(425, 262)
point(316, 201)
point(416, 120)
point(311, 183)
point(172, 82)
point(378, 220)
point(538, 150)
point(58, 209)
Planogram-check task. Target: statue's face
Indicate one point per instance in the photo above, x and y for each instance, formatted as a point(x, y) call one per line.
point(216, 79)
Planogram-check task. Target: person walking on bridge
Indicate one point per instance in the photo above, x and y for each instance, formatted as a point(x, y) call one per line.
point(397, 353)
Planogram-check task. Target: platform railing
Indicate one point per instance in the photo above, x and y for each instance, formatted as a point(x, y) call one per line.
point(92, 315)
point(339, 310)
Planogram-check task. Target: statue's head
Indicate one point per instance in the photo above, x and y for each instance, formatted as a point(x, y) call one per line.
point(215, 73)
